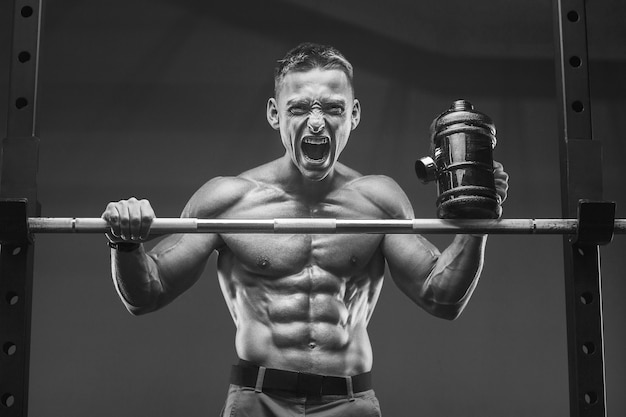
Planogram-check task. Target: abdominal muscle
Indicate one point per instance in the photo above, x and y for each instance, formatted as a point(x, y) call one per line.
point(311, 321)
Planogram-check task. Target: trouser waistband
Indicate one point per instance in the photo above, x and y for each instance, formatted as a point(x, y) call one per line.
point(261, 378)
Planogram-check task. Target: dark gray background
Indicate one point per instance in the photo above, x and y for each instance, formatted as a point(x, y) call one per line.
point(153, 98)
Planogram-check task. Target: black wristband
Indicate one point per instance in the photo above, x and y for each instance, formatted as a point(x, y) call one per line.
point(123, 246)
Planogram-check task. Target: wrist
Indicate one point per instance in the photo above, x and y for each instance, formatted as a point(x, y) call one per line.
point(124, 246)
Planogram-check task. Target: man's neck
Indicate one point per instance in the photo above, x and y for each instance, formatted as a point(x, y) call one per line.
point(310, 191)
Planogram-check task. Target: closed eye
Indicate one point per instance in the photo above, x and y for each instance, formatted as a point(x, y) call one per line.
point(298, 110)
point(335, 110)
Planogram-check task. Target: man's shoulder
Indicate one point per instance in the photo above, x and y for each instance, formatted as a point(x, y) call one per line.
point(351, 178)
point(267, 173)
point(384, 192)
point(376, 186)
point(218, 195)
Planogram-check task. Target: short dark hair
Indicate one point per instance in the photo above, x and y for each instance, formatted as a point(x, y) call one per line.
point(307, 56)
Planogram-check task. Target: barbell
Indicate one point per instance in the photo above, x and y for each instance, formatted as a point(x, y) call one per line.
point(326, 226)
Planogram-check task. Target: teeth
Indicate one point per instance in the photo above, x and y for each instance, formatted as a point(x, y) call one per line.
point(315, 140)
point(315, 148)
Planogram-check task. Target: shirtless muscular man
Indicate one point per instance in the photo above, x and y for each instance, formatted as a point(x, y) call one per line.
point(300, 303)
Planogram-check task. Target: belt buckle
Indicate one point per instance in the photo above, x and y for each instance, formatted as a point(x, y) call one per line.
point(310, 384)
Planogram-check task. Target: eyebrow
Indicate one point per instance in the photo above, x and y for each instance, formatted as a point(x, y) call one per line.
point(298, 101)
point(323, 101)
point(335, 101)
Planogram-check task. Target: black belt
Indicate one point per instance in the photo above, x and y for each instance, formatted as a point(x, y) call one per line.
point(245, 375)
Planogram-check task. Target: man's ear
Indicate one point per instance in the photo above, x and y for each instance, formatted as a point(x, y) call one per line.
point(356, 113)
point(272, 113)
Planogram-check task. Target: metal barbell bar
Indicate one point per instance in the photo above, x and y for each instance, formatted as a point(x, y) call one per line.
point(323, 226)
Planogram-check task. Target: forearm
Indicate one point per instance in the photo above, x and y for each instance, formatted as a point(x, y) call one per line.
point(454, 275)
point(136, 280)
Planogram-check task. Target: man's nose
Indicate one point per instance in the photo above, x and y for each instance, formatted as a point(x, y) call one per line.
point(316, 122)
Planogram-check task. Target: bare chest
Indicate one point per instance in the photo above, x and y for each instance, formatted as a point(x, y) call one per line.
point(287, 254)
point(282, 255)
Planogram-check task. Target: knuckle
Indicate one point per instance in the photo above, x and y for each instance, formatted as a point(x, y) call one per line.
point(147, 208)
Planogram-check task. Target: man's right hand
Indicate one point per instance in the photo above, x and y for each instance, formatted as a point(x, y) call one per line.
point(130, 220)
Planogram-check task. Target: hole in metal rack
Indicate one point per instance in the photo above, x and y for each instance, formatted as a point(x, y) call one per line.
point(591, 398)
point(23, 56)
point(12, 298)
point(26, 11)
point(16, 251)
point(575, 61)
point(578, 106)
point(586, 298)
point(573, 16)
point(9, 348)
point(21, 102)
point(8, 400)
point(588, 348)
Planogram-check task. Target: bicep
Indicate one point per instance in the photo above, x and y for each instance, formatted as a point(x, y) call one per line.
point(410, 259)
point(179, 260)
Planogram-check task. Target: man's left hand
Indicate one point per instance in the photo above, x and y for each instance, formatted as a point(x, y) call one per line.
point(501, 179)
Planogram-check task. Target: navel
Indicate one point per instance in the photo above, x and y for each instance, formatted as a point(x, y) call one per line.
point(354, 260)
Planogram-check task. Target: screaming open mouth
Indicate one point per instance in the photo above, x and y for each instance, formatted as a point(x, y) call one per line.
point(315, 148)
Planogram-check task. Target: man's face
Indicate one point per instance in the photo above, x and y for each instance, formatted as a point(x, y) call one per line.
point(314, 111)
